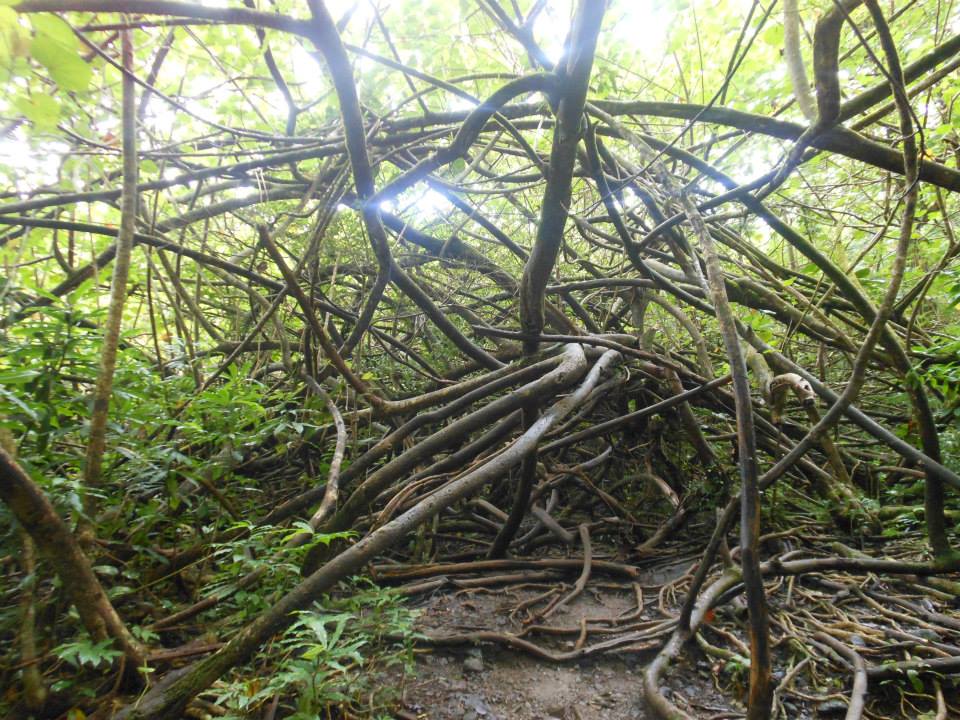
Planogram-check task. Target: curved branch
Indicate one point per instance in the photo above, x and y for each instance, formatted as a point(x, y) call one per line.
point(837, 140)
point(556, 196)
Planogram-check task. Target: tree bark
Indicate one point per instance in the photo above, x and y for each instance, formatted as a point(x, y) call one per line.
point(93, 465)
point(59, 547)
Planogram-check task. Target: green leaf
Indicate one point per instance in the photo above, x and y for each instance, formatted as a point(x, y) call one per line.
point(773, 35)
point(55, 47)
point(56, 30)
point(13, 37)
point(70, 72)
point(915, 680)
point(4, 394)
point(18, 377)
point(317, 626)
point(42, 110)
point(86, 652)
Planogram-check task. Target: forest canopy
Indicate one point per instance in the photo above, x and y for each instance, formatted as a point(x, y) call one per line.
point(312, 312)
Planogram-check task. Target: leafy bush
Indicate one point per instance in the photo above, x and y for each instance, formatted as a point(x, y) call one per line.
point(345, 657)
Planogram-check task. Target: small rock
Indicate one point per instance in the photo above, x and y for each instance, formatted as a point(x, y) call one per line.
point(470, 715)
point(556, 710)
point(857, 640)
point(831, 708)
point(927, 634)
point(477, 704)
point(473, 664)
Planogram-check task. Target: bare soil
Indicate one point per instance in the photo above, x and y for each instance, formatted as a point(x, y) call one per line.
point(491, 682)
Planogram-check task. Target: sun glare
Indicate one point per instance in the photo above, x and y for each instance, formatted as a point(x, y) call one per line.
point(639, 25)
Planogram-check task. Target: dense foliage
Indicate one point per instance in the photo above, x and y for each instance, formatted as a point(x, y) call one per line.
point(364, 265)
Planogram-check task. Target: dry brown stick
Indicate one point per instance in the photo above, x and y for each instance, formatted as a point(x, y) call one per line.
point(936, 666)
point(592, 627)
point(605, 427)
point(490, 508)
point(778, 566)
point(519, 643)
point(608, 499)
point(210, 601)
point(535, 600)
point(581, 581)
point(918, 611)
point(404, 498)
point(651, 676)
point(637, 611)
point(859, 692)
point(663, 532)
point(690, 423)
point(178, 653)
point(564, 535)
point(329, 349)
point(394, 572)
point(500, 410)
point(329, 501)
point(415, 588)
point(582, 637)
point(941, 703)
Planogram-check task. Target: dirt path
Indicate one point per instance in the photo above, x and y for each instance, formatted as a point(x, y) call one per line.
point(490, 682)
